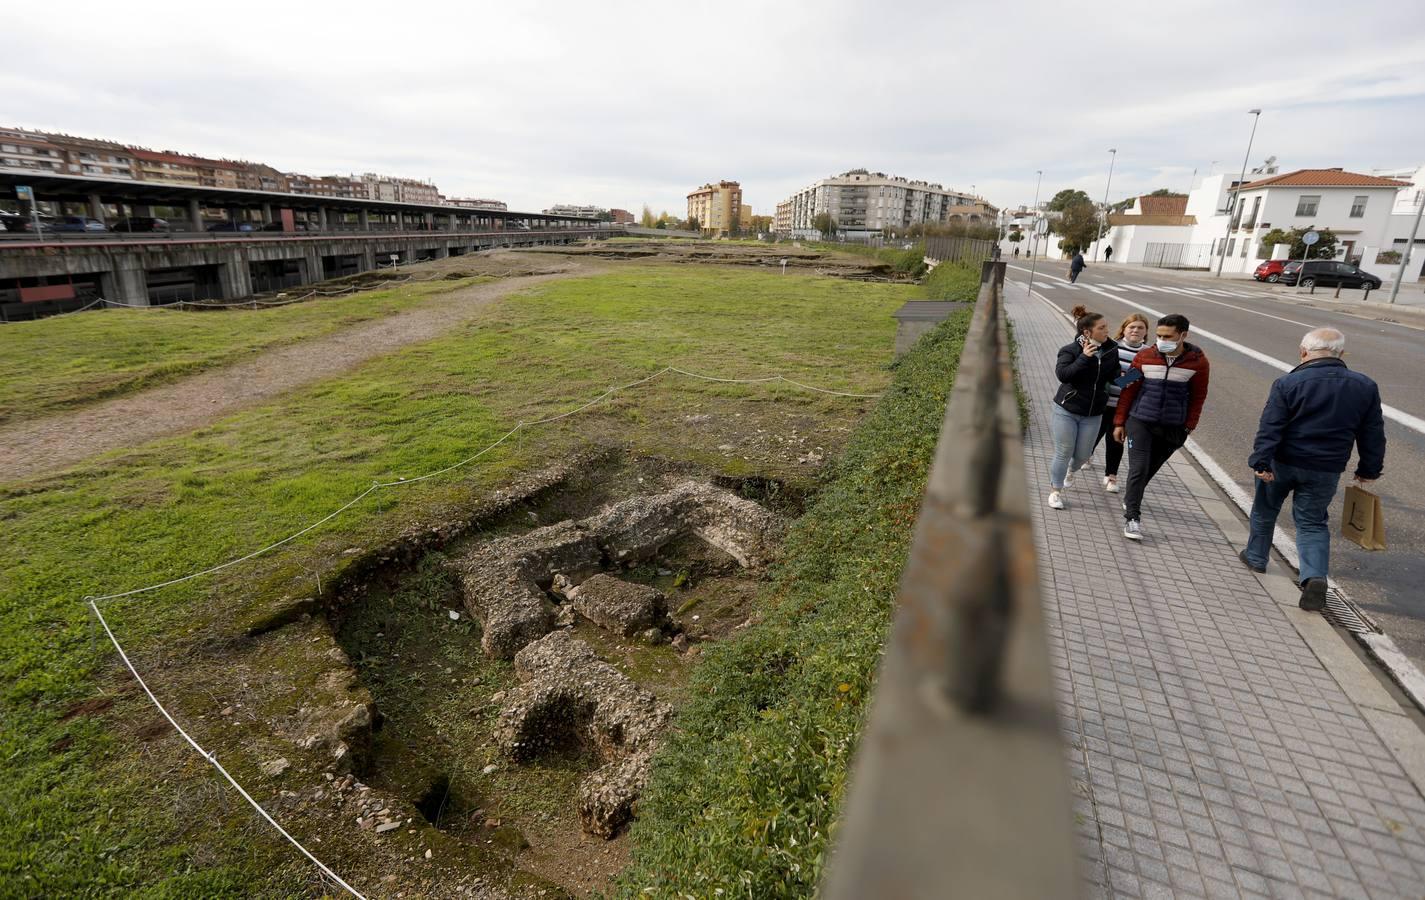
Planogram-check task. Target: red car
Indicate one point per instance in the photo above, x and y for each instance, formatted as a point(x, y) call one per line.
point(1271, 270)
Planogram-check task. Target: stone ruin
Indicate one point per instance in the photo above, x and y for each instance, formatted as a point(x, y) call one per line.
point(505, 581)
point(569, 698)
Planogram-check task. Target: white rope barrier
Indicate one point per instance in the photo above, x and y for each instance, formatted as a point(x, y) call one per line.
point(94, 602)
point(213, 759)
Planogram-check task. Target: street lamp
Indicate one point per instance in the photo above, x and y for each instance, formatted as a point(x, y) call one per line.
point(1034, 233)
point(1256, 115)
point(1113, 156)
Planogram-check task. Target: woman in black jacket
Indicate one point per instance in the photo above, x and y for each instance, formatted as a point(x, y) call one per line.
point(1085, 368)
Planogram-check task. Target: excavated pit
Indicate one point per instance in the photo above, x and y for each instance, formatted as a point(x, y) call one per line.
point(629, 565)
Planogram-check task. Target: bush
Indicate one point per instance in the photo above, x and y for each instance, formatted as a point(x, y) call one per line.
point(1388, 257)
point(745, 793)
point(953, 281)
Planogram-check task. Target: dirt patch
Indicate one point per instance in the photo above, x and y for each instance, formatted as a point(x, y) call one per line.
point(47, 445)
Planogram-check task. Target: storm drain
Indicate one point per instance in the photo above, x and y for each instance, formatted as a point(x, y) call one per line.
point(1341, 610)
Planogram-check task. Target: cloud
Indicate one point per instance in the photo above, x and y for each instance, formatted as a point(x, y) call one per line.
point(631, 102)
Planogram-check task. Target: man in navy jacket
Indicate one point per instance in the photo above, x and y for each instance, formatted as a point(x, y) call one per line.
point(1314, 414)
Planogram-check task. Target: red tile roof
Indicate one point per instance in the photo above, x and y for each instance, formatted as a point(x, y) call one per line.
point(1163, 206)
point(1325, 178)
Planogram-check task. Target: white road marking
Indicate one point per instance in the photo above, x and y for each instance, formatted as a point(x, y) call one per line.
point(1139, 288)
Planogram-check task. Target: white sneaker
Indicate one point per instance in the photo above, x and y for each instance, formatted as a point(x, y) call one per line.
point(1068, 480)
point(1132, 530)
point(1110, 483)
point(1056, 500)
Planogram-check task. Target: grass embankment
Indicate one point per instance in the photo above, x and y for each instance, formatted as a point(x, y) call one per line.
point(100, 799)
point(745, 794)
point(66, 361)
point(906, 262)
point(952, 281)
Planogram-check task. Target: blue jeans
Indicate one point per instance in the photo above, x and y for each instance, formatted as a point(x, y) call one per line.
point(1074, 438)
point(1311, 492)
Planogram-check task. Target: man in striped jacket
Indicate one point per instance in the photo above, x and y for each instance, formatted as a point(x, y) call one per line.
point(1157, 412)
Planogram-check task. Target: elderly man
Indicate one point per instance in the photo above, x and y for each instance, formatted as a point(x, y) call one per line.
point(1314, 414)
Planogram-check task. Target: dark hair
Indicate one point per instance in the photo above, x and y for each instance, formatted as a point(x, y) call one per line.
point(1083, 319)
point(1175, 321)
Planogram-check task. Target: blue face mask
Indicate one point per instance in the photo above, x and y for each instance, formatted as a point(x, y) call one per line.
point(1167, 346)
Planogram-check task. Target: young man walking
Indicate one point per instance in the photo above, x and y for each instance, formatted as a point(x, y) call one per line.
point(1314, 414)
point(1157, 412)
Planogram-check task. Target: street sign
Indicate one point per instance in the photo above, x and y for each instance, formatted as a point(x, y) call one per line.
point(1041, 226)
point(1310, 238)
point(24, 192)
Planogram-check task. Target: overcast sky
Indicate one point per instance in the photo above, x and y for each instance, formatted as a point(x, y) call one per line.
point(621, 104)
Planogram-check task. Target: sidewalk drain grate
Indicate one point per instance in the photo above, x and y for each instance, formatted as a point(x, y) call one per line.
point(1343, 612)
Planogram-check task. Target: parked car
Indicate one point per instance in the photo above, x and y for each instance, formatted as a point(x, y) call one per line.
point(1271, 270)
point(140, 224)
point(17, 222)
point(298, 225)
point(78, 223)
point(231, 226)
point(1328, 273)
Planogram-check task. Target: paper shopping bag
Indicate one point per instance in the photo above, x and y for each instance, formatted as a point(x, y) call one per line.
point(1361, 519)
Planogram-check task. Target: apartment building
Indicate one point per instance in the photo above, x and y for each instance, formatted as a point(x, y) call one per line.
point(475, 203)
point(64, 154)
point(782, 218)
point(717, 207)
point(173, 168)
point(567, 209)
point(864, 203)
point(30, 151)
point(622, 216)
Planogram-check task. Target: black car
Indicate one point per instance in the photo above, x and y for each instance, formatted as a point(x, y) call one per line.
point(298, 225)
point(230, 226)
point(140, 223)
point(1328, 273)
point(17, 222)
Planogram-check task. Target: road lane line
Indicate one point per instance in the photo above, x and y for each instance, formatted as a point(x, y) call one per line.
point(1401, 417)
point(1141, 290)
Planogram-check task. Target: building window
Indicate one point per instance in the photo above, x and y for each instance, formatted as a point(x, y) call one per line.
point(1358, 206)
point(1232, 247)
point(1245, 242)
point(1306, 204)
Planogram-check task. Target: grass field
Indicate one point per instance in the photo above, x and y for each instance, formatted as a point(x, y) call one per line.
point(97, 806)
point(71, 360)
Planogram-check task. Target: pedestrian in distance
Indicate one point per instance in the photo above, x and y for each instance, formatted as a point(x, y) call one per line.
point(1084, 368)
point(1313, 416)
point(1131, 337)
point(1158, 411)
point(1108, 253)
point(1076, 266)
point(1016, 253)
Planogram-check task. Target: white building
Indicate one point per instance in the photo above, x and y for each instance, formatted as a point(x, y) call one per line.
point(567, 209)
point(866, 203)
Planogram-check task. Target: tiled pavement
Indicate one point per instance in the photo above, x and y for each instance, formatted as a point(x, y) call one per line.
point(1212, 753)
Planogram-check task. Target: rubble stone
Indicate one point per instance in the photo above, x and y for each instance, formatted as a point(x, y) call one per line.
point(620, 606)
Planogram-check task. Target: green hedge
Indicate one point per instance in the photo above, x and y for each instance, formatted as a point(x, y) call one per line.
point(745, 792)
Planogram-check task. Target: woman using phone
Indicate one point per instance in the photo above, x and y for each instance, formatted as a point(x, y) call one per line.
point(1132, 335)
point(1084, 368)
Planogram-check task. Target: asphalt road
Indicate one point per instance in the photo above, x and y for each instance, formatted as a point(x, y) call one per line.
point(1390, 585)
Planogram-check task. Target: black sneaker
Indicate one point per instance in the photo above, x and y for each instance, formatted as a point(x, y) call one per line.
point(1313, 594)
point(1260, 570)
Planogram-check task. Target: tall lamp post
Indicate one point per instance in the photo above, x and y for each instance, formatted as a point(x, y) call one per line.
point(1256, 115)
point(1034, 234)
point(1405, 254)
point(1113, 156)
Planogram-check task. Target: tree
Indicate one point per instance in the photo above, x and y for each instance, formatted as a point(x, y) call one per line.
point(662, 223)
point(647, 220)
point(824, 223)
point(1079, 225)
point(1066, 198)
point(604, 216)
point(1165, 192)
point(1325, 248)
point(694, 224)
point(1015, 236)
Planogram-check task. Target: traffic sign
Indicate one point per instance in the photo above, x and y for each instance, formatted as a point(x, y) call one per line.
point(1310, 238)
point(24, 192)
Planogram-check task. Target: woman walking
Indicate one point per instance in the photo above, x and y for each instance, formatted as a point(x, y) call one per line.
point(1132, 335)
point(1084, 367)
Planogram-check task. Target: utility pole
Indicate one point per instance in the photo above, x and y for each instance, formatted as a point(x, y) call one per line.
point(1222, 257)
point(1405, 254)
point(1034, 234)
point(1099, 236)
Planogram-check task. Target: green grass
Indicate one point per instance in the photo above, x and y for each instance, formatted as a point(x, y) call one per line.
point(953, 281)
point(71, 360)
point(745, 794)
point(97, 807)
point(906, 262)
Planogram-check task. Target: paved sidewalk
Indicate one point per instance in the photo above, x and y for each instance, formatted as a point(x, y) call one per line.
point(1222, 742)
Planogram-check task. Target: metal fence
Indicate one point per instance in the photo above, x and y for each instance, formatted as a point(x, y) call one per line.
point(1177, 256)
point(959, 787)
point(957, 249)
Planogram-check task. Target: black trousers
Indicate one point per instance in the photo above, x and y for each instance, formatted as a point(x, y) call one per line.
point(1112, 450)
point(1149, 446)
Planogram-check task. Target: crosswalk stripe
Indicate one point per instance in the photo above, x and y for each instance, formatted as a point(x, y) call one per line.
point(1138, 288)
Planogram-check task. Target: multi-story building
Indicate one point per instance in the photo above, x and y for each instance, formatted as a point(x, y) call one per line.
point(166, 166)
point(95, 158)
point(622, 217)
point(400, 190)
point(782, 219)
point(717, 207)
point(475, 203)
point(567, 209)
point(744, 220)
point(864, 203)
point(30, 151)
